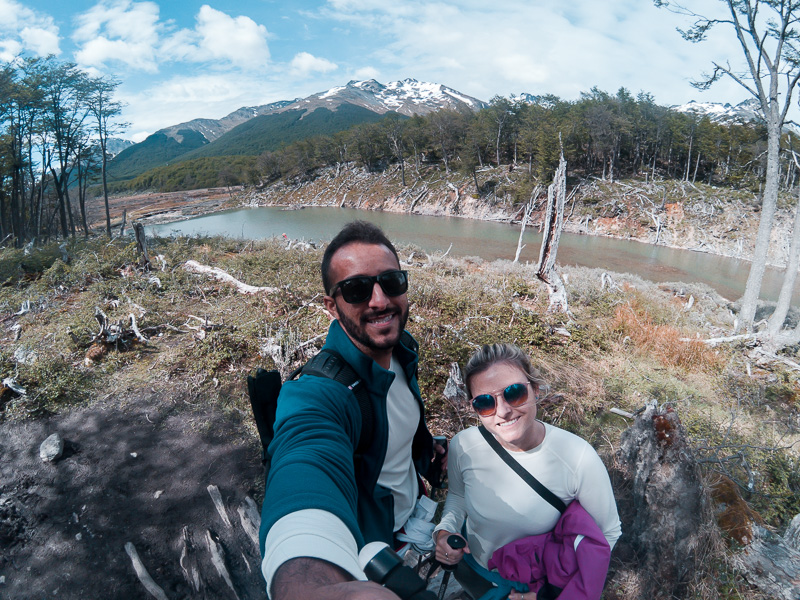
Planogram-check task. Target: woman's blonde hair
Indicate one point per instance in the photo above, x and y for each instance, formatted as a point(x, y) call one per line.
point(491, 354)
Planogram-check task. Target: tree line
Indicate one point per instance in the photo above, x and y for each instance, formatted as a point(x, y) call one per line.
point(55, 122)
point(603, 135)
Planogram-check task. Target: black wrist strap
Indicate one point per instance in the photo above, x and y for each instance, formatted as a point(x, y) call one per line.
point(538, 487)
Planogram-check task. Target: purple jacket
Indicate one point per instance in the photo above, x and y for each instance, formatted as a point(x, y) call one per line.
point(553, 557)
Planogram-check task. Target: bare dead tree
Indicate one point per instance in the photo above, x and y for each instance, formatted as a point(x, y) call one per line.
point(141, 245)
point(768, 32)
point(778, 317)
point(551, 234)
point(526, 215)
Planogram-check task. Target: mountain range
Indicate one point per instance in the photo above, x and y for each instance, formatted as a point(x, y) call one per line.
point(744, 112)
point(256, 129)
point(253, 130)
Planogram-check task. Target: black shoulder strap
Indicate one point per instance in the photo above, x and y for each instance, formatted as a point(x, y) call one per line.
point(329, 363)
point(537, 485)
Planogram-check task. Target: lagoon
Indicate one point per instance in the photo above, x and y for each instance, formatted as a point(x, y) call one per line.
point(488, 240)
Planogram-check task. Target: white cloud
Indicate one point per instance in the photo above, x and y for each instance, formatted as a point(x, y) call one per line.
point(133, 34)
point(238, 40)
point(9, 50)
point(182, 99)
point(366, 73)
point(40, 41)
point(304, 64)
point(125, 32)
point(548, 46)
point(23, 30)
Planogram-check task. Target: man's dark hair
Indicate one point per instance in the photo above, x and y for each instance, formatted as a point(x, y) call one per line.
point(355, 231)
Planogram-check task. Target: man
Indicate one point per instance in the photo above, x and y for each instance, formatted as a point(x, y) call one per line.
point(320, 505)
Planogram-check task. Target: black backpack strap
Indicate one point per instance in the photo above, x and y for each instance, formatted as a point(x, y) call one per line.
point(329, 363)
point(537, 485)
point(263, 389)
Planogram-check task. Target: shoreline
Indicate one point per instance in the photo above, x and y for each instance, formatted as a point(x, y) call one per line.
point(208, 207)
point(168, 207)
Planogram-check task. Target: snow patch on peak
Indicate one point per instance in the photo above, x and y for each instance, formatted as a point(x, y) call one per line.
point(746, 111)
point(332, 92)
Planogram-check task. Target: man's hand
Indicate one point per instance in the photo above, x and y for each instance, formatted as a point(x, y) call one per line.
point(441, 450)
point(305, 578)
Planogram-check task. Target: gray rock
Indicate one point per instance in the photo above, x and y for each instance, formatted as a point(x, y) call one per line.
point(52, 448)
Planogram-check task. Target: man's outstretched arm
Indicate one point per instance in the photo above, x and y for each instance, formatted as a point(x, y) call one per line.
point(304, 578)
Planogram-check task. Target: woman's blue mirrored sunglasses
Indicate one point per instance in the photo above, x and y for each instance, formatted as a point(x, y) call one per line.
point(515, 395)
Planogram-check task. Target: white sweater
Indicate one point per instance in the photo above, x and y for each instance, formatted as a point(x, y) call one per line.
point(499, 507)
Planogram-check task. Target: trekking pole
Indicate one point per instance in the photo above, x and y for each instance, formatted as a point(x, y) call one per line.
point(456, 542)
point(382, 565)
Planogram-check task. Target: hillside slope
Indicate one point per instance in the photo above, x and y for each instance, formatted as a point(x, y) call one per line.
point(668, 212)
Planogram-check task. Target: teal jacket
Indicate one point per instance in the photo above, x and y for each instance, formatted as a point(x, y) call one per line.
point(317, 428)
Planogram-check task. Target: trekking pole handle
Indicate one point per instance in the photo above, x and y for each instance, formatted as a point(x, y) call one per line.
point(456, 542)
point(382, 565)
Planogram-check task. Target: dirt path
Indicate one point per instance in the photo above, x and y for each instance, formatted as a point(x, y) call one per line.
point(135, 469)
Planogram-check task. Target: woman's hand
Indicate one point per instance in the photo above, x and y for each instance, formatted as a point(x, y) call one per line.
point(445, 554)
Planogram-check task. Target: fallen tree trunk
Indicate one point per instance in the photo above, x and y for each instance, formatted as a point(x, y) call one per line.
point(192, 266)
point(772, 563)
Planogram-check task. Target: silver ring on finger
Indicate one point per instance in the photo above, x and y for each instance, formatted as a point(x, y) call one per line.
point(446, 555)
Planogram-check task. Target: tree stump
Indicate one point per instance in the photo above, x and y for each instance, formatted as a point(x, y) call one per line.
point(672, 527)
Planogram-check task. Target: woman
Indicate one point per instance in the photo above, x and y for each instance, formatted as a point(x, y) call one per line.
point(492, 503)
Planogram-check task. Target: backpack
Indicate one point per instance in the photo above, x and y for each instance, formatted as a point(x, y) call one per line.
point(264, 387)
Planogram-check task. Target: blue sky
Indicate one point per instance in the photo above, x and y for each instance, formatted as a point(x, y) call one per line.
point(182, 60)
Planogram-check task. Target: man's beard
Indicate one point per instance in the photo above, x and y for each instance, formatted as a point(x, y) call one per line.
point(358, 333)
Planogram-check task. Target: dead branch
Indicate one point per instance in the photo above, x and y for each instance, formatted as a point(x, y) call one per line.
point(216, 497)
point(218, 560)
point(135, 329)
point(193, 266)
point(141, 572)
point(771, 356)
point(724, 340)
point(772, 563)
point(188, 562)
point(250, 519)
point(525, 218)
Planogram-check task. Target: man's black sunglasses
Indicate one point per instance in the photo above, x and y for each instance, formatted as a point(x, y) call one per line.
point(359, 289)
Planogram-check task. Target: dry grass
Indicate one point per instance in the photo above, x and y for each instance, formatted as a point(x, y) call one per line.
point(666, 343)
point(622, 346)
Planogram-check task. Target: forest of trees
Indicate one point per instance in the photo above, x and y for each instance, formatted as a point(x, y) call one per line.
point(55, 121)
point(604, 135)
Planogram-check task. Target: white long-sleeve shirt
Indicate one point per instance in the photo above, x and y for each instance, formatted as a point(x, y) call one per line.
point(499, 507)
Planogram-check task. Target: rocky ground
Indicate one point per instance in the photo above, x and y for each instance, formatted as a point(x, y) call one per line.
point(136, 469)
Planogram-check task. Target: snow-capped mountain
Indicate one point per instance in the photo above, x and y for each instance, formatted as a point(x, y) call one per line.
point(116, 145)
point(407, 97)
point(211, 129)
point(744, 112)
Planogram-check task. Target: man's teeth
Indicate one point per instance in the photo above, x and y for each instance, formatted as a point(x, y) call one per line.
point(383, 319)
point(507, 423)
